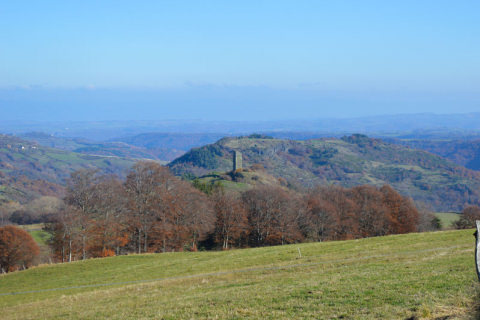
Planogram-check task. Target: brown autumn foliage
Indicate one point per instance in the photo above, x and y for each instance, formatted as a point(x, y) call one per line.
point(231, 225)
point(273, 215)
point(108, 233)
point(335, 213)
point(92, 222)
point(18, 250)
point(330, 214)
point(155, 211)
point(152, 211)
point(402, 214)
point(166, 212)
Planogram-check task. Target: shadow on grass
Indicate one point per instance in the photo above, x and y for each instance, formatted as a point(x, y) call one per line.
point(476, 304)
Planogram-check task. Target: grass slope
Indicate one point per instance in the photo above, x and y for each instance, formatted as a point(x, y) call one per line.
point(41, 237)
point(447, 219)
point(240, 181)
point(349, 161)
point(424, 275)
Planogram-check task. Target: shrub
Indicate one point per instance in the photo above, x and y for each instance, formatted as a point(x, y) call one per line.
point(17, 249)
point(468, 217)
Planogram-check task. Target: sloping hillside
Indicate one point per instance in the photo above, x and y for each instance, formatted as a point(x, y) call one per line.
point(413, 276)
point(21, 189)
point(462, 152)
point(28, 169)
point(238, 181)
point(348, 161)
point(84, 146)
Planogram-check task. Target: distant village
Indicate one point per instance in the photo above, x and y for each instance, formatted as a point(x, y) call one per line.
point(6, 142)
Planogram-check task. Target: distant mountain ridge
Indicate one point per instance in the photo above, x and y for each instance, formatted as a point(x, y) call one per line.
point(84, 146)
point(28, 169)
point(178, 143)
point(461, 147)
point(349, 161)
point(463, 123)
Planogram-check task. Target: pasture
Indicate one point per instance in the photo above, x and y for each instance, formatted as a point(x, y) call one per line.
point(420, 275)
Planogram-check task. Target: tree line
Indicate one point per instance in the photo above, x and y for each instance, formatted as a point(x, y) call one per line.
point(155, 211)
point(468, 218)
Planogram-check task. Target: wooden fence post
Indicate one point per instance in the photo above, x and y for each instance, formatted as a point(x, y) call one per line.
point(477, 249)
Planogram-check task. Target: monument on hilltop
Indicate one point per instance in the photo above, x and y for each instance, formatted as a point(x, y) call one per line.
point(237, 161)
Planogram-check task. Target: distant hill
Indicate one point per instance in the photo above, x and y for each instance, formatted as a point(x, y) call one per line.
point(28, 169)
point(168, 146)
point(181, 141)
point(176, 143)
point(420, 123)
point(349, 161)
point(21, 189)
point(84, 146)
point(462, 152)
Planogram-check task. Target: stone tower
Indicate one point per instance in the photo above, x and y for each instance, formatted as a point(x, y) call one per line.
point(237, 161)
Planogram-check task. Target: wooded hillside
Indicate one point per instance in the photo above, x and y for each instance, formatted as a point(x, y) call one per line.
point(348, 162)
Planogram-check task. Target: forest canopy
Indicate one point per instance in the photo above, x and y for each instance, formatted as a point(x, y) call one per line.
point(154, 211)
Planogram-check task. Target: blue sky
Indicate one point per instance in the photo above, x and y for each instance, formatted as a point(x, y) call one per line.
point(202, 59)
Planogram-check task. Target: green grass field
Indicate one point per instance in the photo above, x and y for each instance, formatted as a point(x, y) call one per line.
point(447, 219)
point(428, 275)
point(41, 237)
point(35, 230)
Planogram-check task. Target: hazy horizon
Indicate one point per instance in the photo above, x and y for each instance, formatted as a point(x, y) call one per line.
point(269, 60)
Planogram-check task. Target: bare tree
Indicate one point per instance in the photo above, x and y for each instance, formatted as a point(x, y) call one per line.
point(66, 241)
point(272, 218)
point(199, 217)
point(6, 210)
point(81, 195)
point(468, 217)
point(110, 216)
point(231, 218)
point(142, 188)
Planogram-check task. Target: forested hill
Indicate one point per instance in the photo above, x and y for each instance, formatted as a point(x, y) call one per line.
point(348, 161)
point(28, 169)
point(463, 152)
point(84, 146)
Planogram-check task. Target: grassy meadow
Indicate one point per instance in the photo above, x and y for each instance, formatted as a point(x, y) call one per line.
point(425, 275)
point(447, 219)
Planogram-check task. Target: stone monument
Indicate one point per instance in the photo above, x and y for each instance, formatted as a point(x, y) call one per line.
point(237, 161)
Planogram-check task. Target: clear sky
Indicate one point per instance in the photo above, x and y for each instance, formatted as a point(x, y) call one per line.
point(203, 59)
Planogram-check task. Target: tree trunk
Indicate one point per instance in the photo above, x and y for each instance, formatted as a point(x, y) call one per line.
point(139, 241)
point(145, 245)
point(69, 250)
point(164, 240)
point(194, 242)
point(477, 249)
point(84, 251)
point(225, 242)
